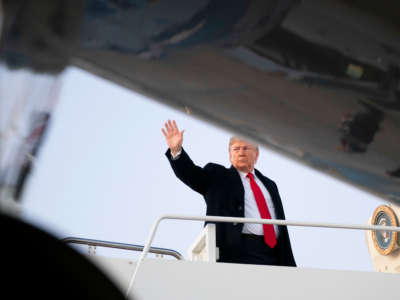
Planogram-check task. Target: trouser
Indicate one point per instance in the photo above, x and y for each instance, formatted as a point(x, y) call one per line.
point(253, 250)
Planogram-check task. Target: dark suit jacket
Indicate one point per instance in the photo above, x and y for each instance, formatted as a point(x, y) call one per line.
point(223, 192)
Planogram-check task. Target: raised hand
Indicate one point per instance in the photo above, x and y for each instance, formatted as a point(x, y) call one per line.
point(173, 136)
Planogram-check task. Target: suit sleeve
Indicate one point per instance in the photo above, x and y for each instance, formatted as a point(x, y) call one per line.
point(195, 177)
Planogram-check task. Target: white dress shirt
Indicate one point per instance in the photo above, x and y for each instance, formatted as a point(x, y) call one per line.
point(251, 208)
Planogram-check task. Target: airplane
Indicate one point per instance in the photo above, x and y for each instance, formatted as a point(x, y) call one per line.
point(317, 81)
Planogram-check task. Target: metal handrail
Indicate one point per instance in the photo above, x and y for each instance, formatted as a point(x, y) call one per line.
point(107, 244)
point(246, 220)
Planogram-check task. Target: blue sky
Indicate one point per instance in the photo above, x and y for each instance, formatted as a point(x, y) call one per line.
point(102, 174)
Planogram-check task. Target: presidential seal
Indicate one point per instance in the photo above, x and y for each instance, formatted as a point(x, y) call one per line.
point(384, 241)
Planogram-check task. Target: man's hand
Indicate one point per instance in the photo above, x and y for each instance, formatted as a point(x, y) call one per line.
point(173, 136)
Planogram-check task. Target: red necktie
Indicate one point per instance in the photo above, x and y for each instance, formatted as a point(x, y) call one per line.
point(269, 232)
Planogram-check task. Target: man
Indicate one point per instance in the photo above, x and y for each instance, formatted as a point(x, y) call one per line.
point(240, 191)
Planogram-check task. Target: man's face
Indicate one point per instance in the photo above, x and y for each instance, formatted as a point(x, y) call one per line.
point(243, 155)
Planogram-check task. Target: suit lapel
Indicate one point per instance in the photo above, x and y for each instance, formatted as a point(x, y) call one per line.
point(265, 182)
point(237, 185)
point(275, 198)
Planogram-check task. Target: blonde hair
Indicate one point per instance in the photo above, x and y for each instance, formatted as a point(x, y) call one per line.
point(235, 138)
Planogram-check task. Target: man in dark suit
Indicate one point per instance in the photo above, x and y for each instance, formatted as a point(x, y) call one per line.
point(240, 191)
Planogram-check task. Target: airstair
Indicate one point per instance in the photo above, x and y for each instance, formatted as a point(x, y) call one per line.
point(201, 277)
